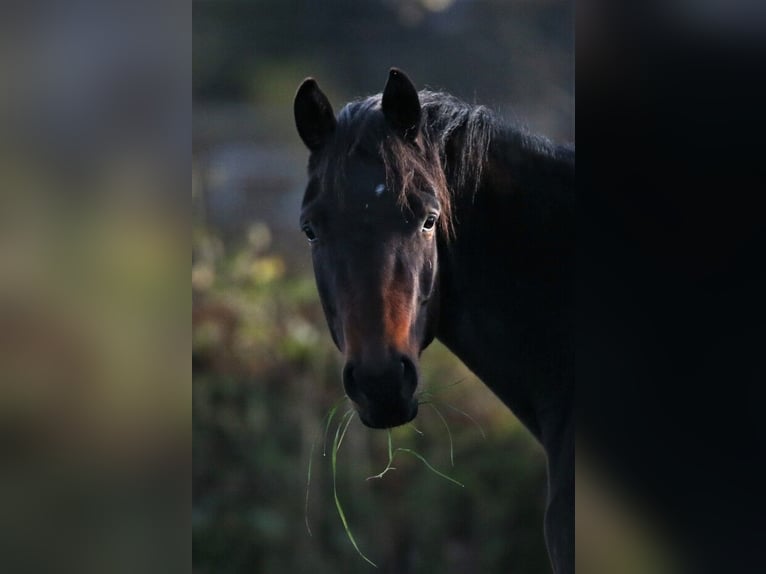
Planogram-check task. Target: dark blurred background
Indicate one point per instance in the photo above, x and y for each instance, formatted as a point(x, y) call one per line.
point(264, 368)
point(95, 400)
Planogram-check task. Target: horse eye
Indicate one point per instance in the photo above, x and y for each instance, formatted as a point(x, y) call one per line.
point(429, 223)
point(309, 233)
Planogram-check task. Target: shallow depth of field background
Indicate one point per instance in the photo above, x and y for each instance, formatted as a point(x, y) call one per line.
point(264, 368)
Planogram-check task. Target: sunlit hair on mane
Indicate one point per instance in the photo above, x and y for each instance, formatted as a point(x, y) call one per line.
point(446, 158)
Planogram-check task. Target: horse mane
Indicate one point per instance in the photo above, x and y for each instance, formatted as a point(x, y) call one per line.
point(448, 156)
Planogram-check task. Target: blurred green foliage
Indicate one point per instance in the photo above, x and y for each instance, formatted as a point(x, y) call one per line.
point(264, 375)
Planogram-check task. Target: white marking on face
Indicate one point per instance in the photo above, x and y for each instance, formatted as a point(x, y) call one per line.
point(380, 189)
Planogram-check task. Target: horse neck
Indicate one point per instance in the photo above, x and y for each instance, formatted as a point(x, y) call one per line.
point(505, 280)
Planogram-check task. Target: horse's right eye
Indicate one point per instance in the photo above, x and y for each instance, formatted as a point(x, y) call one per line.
point(308, 231)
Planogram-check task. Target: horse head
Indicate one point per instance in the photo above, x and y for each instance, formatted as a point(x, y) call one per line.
point(372, 213)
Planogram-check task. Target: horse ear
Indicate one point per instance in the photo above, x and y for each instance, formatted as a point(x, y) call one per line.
point(401, 105)
point(314, 117)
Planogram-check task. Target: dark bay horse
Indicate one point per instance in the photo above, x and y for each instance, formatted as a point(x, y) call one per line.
point(429, 217)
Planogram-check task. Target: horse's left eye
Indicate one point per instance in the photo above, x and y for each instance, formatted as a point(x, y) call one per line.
point(309, 233)
point(429, 223)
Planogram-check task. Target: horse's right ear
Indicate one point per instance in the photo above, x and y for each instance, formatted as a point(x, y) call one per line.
point(314, 117)
point(401, 105)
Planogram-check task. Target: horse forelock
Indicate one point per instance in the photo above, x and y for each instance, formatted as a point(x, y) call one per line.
point(447, 157)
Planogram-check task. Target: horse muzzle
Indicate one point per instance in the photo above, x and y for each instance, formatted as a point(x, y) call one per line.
point(383, 391)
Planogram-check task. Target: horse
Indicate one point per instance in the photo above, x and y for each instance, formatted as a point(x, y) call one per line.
point(430, 218)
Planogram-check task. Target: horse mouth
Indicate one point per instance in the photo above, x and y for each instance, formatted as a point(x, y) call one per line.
point(388, 418)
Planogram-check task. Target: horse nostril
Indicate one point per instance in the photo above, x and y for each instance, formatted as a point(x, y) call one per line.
point(350, 383)
point(409, 376)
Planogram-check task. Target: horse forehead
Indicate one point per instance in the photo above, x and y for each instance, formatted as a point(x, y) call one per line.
point(371, 198)
point(366, 179)
point(370, 192)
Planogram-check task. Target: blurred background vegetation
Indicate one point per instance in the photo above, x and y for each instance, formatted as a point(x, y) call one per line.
point(95, 399)
point(265, 371)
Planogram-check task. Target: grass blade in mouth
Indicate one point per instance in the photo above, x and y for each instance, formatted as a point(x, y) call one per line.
point(392, 452)
point(345, 428)
point(344, 422)
point(329, 416)
point(340, 433)
point(431, 468)
point(390, 459)
point(440, 388)
point(449, 433)
point(308, 489)
point(469, 417)
point(432, 401)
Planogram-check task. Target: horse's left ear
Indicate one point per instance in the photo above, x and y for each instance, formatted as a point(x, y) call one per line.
point(314, 117)
point(401, 105)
